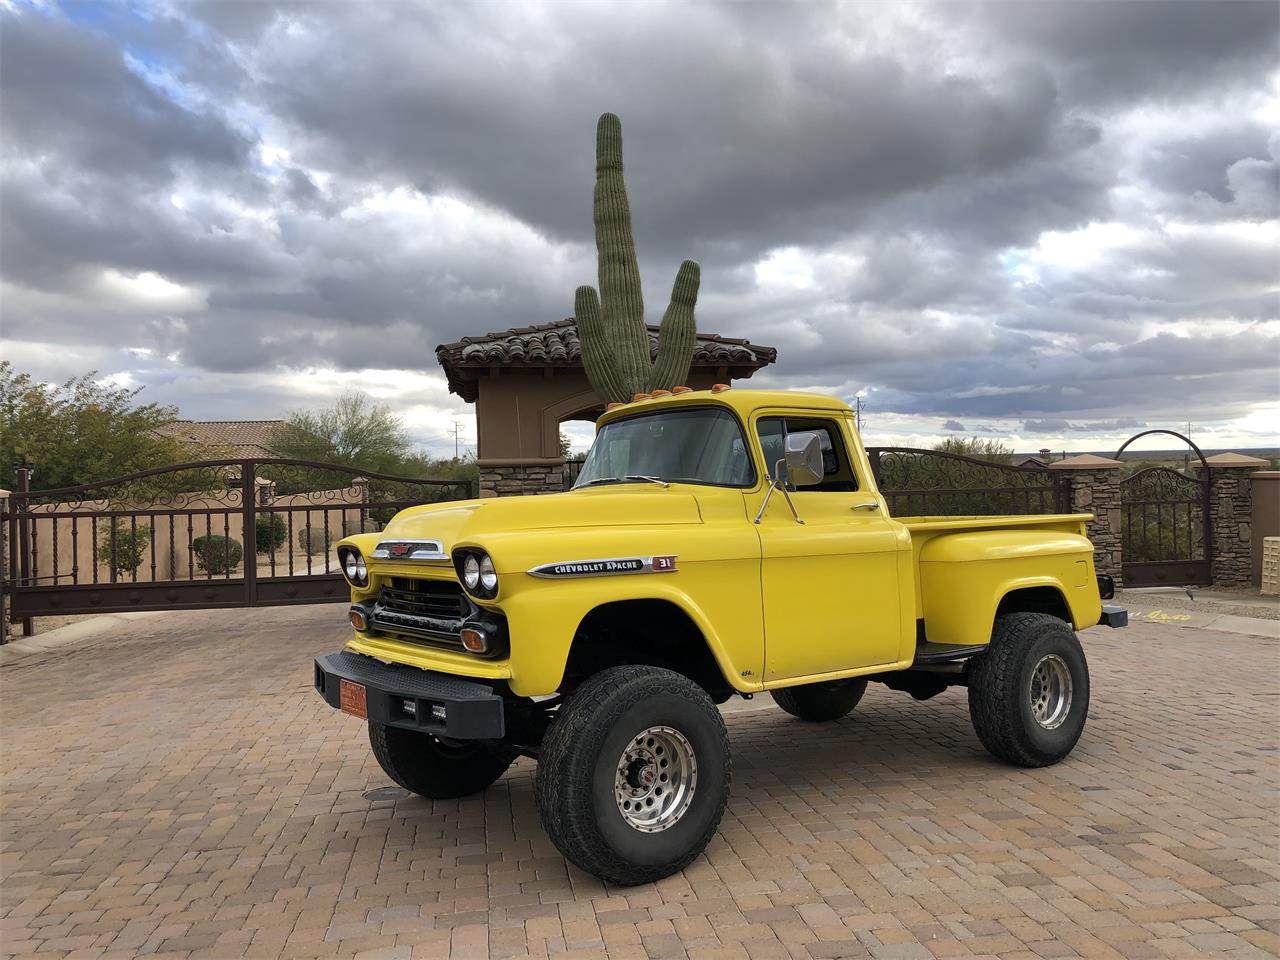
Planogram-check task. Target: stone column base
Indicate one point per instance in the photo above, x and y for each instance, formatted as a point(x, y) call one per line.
point(506, 478)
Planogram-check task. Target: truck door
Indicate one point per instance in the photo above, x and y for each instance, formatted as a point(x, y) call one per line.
point(831, 585)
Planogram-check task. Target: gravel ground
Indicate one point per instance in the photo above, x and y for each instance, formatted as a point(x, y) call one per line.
point(1241, 602)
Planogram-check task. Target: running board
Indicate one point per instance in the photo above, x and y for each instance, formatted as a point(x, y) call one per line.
point(932, 653)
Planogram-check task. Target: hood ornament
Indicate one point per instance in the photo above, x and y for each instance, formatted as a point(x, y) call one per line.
point(409, 550)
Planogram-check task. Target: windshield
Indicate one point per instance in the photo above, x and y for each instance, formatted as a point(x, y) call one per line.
point(694, 445)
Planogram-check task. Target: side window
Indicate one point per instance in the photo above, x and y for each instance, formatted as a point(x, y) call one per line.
point(837, 469)
point(773, 432)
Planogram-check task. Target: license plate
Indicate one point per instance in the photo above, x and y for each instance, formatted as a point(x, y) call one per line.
point(352, 698)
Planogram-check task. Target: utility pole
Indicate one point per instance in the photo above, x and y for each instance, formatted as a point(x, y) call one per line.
point(857, 411)
point(457, 428)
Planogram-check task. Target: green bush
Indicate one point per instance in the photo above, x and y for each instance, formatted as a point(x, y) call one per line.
point(216, 554)
point(271, 532)
point(123, 552)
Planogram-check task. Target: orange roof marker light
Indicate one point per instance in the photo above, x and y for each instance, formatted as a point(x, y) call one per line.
point(641, 396)
point(613, 405)
point(660, 393)
point(679, 390)
point(719, 387)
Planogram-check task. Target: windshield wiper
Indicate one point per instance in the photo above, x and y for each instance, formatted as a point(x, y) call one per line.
point(630, 476)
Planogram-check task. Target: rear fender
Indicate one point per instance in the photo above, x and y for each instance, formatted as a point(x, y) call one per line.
point(965, 579)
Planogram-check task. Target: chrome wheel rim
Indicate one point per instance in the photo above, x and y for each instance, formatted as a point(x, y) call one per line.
point(655, 780)
point(1050, 691)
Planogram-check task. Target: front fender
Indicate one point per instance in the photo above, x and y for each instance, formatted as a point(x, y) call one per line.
point(543, 618)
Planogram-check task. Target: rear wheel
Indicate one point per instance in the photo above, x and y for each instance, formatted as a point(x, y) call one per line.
point(634, 774)
point(818, 702)
point(1029, 692)
point(435, 768)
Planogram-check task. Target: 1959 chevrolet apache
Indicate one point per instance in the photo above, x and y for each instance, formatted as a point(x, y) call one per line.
point(717, 543)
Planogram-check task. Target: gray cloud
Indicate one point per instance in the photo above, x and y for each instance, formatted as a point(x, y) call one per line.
point(960, 212)
point(70, 93)
point(1129, 49)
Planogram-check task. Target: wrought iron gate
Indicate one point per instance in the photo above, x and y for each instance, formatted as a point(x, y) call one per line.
point(1166, 526)
point(921, 483)
point(218, 533)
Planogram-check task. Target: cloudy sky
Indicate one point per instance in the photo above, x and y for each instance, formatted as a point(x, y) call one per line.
point(1048, 223)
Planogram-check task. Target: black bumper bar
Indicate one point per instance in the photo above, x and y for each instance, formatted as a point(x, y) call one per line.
point(415, 699)
point(1113, 616)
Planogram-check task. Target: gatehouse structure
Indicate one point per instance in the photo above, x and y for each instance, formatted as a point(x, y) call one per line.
point(526, 381)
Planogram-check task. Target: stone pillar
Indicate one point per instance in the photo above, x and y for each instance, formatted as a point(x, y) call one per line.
point(1095, 488)
point(4, 566)
point(1230, 510)
point(514, 478)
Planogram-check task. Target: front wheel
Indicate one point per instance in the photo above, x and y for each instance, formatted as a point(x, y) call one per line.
point(819, 702)
point(1029, 692)
point(435, 768)
point(634, 774)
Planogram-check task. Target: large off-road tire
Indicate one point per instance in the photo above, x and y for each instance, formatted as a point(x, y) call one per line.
point(819, 702)
point(634, 774)
point(1029, 692)
point(433, 768)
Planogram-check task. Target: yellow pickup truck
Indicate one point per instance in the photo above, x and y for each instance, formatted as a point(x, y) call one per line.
point(717, 543)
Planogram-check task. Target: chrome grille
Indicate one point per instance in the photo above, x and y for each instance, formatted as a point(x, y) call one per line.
point(423, 611)
point(425, 598)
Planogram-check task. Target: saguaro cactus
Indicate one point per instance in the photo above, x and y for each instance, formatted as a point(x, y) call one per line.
point(611, 328)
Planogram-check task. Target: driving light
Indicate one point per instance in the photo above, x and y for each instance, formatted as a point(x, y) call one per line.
point(488, 575)
point(353, 566)
point(471, 572)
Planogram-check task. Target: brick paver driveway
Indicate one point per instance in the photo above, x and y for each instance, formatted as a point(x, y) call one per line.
point(178, 789)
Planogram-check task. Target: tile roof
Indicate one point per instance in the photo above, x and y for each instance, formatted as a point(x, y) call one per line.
point(556, 345)
point(246, 438)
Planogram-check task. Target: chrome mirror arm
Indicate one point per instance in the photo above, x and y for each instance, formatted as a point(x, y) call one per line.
point(777, 485)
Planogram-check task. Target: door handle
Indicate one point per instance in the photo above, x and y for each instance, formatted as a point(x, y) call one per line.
point(870, 505)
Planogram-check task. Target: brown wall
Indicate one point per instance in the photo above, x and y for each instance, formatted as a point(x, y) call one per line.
point(1266, 514)
point(518, 414)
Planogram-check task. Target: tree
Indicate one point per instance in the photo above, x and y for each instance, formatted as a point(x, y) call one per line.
point(80, 431)
point(992, 450)
point(355, 431)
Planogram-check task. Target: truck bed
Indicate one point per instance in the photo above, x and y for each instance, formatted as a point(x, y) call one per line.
point(929, 528)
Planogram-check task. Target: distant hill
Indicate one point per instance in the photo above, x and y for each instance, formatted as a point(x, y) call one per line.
point(1167, 456)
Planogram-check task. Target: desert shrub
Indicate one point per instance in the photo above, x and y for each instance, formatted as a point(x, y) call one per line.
point(123, 552)
point(216, 554)
point(270, 532)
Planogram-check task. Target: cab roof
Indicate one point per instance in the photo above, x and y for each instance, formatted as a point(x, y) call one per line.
point(742, 401)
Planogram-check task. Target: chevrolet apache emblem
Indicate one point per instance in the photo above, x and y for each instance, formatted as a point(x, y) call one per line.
point(606, 568)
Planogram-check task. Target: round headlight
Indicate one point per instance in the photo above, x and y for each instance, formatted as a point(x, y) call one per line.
point(488, 575)
point(471, 572)
point(353, 566)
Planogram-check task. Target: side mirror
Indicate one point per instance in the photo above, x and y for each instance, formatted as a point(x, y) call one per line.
point(804, 458)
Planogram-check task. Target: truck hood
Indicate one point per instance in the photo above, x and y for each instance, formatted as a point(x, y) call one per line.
point(619, 506)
